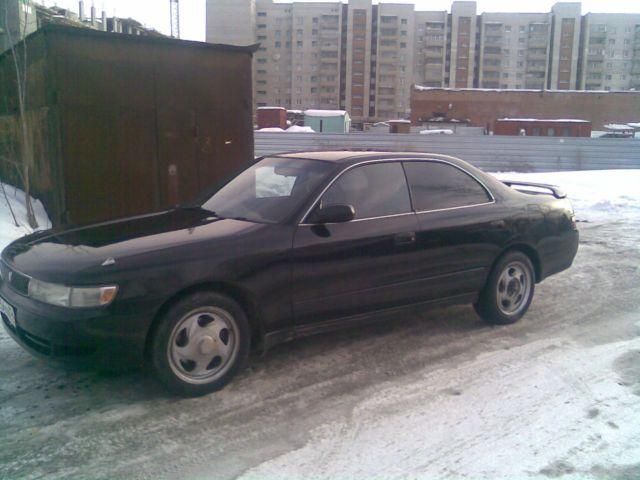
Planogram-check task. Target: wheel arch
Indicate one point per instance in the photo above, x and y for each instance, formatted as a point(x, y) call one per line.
point(529, 251)
point(236, 293)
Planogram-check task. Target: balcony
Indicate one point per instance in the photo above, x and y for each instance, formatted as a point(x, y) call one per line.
point(329, 67)
point(329, 34)
point(534, 83)
point(334, 47)
point(597, 35)
point(433, 53)
point(536, 68)
point(595, 56)
point(537, 43)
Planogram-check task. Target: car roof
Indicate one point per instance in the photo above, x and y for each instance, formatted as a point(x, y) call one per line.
point(340, 156)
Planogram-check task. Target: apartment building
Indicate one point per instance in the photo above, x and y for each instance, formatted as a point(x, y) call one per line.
point(610, 52)
point(363, 56)
point(514, 50)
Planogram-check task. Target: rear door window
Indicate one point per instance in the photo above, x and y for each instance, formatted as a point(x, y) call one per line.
point(436, 186)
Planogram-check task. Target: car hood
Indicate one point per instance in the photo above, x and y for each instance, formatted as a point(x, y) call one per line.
point(110, 246)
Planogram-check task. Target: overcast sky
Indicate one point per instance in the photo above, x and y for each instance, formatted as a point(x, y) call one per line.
point(155, 13)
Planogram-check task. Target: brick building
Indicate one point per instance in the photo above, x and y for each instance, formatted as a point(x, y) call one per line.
point(482, 107)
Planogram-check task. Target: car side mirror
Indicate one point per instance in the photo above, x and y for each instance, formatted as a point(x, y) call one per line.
point(334, 214)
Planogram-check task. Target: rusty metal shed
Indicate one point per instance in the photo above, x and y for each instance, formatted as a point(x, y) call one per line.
point(125, 124)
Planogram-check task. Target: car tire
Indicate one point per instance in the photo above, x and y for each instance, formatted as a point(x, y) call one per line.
point(509, 290)
point(201, 342)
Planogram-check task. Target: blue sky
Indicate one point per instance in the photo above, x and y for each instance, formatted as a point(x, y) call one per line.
point(155, 13)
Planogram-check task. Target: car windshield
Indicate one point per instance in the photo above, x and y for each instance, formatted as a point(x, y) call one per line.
point(268, 191)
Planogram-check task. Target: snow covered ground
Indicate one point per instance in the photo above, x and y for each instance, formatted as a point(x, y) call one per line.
point(8, 229)
point(434, 395)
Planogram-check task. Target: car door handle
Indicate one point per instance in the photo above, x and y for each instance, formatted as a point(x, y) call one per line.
point(498, 224)
point(406, 238)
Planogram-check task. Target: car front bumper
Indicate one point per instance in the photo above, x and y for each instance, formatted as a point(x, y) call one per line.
point(107, 338)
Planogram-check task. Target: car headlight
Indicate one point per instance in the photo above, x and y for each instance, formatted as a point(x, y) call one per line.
point(75, 297)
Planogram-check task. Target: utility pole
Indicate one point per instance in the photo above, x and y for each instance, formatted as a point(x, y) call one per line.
point(175, 18)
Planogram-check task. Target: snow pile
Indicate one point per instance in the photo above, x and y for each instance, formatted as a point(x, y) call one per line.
point(291, 129)
point(437, 131)
point(299, 129)
point(271, 130)
point(8, 229)
point(596, 195)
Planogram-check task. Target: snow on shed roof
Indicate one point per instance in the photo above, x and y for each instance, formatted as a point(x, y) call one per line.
point(420, 88)
point(271, 108)
point(563, 120)
point(325, 113)
point(618, 126)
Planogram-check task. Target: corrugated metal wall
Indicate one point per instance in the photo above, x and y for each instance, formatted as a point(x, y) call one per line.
point(491, 153)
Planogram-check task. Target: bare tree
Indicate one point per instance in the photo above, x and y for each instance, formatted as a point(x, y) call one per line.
point(20, 59)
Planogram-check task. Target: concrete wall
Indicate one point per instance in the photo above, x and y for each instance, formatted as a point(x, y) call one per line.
point(483, 107)
point(491, 153)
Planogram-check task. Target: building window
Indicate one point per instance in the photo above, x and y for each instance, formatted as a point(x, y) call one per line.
point(551, 132)
point(262, 14)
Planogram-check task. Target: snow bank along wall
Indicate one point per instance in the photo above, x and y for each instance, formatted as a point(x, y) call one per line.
point(125, 124)
point(484, 106)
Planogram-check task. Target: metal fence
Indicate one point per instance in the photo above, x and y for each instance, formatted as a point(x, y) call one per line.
point(491, 153)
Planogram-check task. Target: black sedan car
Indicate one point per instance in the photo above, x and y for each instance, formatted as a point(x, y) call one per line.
point(296, 244)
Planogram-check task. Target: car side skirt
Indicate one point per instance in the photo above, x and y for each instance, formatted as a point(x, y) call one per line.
point(277, 337)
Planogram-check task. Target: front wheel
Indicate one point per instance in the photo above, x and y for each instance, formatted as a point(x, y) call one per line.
point(509, 290)
point(200, 344)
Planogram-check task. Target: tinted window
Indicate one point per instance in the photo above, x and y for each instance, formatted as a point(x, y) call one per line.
point(438, 185)
point(373, 190)
point(270, 190)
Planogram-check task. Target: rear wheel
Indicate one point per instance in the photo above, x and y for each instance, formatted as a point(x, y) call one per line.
point(509, 290)
point(200, 344)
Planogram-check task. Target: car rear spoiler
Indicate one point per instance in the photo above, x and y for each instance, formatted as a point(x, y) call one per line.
point(555, 191)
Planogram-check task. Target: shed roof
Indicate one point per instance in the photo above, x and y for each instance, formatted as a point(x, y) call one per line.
point(325, 113)
point(89, 32)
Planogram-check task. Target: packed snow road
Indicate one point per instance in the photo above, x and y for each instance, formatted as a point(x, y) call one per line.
point(433, 394)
